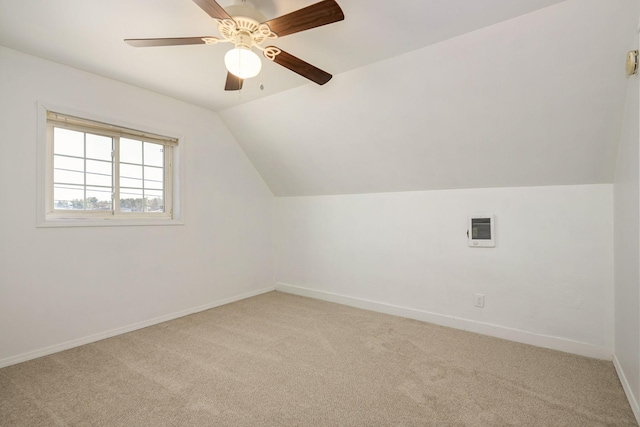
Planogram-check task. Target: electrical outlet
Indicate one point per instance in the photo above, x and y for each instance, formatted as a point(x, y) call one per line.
point(479, 300)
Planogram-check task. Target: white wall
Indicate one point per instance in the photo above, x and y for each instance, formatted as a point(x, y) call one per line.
point(627, 249)
point(63, 286)
point(549, 280)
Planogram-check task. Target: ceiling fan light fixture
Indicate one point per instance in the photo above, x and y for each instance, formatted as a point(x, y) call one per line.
point(242, 62)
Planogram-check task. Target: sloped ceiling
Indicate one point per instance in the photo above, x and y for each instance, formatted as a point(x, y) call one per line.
point(426, 94)
point(535, 100)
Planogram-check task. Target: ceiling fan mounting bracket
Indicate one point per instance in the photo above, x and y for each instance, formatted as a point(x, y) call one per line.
point(245, 30)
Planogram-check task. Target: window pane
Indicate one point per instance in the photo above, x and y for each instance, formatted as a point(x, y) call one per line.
point(101, 180)
point(131, 200)
point(131, 193)
point(68, 163)
point(99, 147)
point(130, 176)
point(67, 177)
point(153, 154)
point(153, 173)
point(155, 200)
point(99, 173)
point(68, 197)
point(131, 172)
point(69, 142)
point(96, 166)
point(130, 151)
point(153, 178)
point(98, 199)
point(152, 185)
point(155, 204)
point(130, 183)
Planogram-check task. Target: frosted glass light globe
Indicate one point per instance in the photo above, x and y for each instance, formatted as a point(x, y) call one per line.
point(242, 62)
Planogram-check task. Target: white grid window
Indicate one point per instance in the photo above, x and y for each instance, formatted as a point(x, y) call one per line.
point(102, 171)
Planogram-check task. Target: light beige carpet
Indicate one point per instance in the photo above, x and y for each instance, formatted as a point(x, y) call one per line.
point(283, 360)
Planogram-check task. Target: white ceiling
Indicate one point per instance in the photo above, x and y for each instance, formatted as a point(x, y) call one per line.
point(89, 35)
point(426, 94)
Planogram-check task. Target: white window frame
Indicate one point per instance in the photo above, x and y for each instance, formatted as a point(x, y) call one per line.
point(48, 216)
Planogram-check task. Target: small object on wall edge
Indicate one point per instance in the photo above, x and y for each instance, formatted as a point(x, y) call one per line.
point(632, 62)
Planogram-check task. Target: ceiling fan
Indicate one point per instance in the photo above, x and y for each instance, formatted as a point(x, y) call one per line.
point(247, 28)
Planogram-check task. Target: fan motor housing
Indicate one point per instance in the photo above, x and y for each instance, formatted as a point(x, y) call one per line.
point(245, 10)
point(246, 24)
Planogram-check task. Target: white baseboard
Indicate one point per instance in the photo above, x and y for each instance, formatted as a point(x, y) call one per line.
point(627, 389)
point(12, 360)
point(546, 341)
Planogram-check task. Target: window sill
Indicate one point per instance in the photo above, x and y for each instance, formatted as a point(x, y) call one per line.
point(106, 222)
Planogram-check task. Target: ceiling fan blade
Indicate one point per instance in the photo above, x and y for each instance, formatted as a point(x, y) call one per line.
point(316, 15)
point(168, 42)
point(301, 67)
point(213, 9)
point(233, 82)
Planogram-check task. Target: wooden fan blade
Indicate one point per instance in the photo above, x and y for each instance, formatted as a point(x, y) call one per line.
point(301, 67)
point(233, 82)
point(213, 9)
point(168, 42)
point(316, 15)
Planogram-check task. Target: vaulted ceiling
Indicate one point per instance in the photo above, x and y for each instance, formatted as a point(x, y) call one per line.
point(535, 100)
point(426, 94)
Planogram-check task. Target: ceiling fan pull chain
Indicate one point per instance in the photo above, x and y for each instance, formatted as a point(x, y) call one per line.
point(261, 85)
